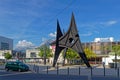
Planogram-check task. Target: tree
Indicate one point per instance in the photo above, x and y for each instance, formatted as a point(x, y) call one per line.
point(116, 50)
point(71, 54)
point(45, 51)
point(89, 53)
point(8, 55)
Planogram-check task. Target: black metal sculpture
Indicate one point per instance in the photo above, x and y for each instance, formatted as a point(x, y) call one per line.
point(69, 40)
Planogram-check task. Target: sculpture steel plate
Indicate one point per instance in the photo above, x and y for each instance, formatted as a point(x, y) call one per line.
point(71, 40)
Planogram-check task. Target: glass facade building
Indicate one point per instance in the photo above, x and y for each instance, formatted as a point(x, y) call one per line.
point(6, 43)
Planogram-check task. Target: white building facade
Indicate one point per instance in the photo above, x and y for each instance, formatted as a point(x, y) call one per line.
point(107, 39)
point(32, 53)
point(2, 53)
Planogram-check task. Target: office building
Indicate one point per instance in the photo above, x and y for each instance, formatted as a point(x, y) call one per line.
point(6, 43)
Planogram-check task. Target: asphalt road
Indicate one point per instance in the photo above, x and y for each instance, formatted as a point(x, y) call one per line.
point(33, 76)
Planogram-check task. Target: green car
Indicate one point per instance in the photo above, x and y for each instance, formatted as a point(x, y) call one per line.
point(16, 66)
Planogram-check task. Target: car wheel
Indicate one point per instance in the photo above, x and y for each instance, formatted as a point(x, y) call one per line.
point(19, 70)
point(6, 69)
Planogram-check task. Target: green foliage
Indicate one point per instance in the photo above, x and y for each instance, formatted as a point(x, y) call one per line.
point(71, 54)
point(116, 49)
point(8, 55)
point(45, 51)
point(111, 53)
point(89, 53)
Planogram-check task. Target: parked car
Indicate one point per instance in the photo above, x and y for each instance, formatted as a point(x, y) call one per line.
point(16, 66)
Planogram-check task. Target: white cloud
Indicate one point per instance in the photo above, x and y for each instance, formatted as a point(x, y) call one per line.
point(43, 39)
point(46, 41)
point(24, 44)
point(109, 23)
point(87, 34)
point(112, 22)
point(102, 23)
point(96, 32)
point(52, 34)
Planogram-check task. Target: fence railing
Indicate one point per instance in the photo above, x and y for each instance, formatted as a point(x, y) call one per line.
point(75, 70)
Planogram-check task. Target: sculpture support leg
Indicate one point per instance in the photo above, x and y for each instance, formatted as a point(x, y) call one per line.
point(64, 55)
point(84, 58)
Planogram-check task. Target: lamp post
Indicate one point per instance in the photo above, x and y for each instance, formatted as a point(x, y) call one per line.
point(116, 57)
point(115, 60)
point(45, 48)
point(45, 55)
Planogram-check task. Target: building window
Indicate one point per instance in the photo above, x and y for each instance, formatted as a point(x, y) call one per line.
point(3, 54)
point(32, 54)
point(4, 46)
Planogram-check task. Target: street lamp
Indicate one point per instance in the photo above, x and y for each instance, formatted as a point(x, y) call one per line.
point(116, 57)
point(115, 60)
point(46, 43)
point(45, 55)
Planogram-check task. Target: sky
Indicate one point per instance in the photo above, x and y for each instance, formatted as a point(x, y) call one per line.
point(35, 21)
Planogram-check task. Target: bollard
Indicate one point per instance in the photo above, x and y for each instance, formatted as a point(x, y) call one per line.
point(38, 70)
point(34, 67)
point(79, 70)
point(91, 71)
point(57, 70)
point(104, 67)
point(68, 70)
point(47, 69)
point(118, 72)
point(104, 70)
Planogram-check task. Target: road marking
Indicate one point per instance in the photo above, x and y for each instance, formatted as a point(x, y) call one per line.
point(14, 73)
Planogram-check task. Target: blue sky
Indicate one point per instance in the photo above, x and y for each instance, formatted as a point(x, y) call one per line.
point(35, 20)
